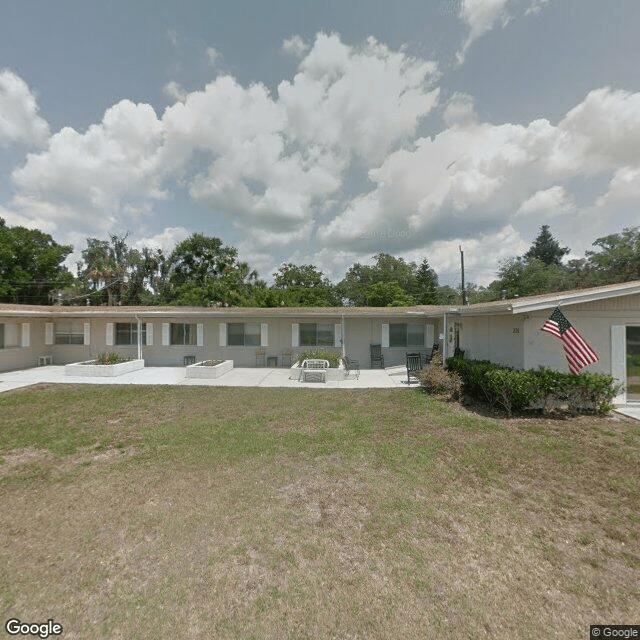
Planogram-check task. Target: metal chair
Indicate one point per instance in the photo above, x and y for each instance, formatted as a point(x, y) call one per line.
point(414, 364)
point(286, 358)
point(261, 355)
point(377, 359)
point(351, 365)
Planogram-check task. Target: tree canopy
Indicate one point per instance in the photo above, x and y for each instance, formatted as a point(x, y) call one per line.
point(304, 286)
point(203, 271)
point(546, 248)
point(31, 265)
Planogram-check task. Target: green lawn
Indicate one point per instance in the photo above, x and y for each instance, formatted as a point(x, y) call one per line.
point(193, 512)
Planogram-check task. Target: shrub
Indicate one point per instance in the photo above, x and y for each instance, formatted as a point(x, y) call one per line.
point(320, 354)
point(519, 390)
point(110, 358)
point(438, 382)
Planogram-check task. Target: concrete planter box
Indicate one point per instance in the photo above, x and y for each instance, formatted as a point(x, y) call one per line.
point(89, 368)
point(200, 371)
point(332, 374)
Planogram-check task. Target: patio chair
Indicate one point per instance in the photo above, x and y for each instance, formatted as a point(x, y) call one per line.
point(351, 365)
point(377, 359)
point(286, 358)
point(261, 357)
point(314, 369)
point(414, 364)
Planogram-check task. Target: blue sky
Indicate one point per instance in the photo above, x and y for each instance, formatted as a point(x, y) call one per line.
point(323, 132)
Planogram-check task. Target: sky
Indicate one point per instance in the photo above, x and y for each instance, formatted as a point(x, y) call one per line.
point(323, 131)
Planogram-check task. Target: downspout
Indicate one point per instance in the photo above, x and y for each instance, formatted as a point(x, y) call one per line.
point(445, 341)
point(139, 337)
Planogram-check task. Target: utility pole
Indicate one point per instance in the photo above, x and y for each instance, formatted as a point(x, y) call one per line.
point(464, 291)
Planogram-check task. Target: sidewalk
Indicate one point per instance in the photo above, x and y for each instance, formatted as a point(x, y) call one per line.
point(254, 377)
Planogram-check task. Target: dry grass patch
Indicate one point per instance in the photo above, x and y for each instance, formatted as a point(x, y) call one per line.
point(260, 513)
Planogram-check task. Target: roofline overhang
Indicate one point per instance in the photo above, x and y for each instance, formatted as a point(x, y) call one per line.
point(577, 297)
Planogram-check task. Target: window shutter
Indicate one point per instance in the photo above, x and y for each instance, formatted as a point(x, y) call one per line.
point(26, 334)
point(87, 333)
point(109, 335)
point(428, 335)
point(264, 334)
point(619, 360)
point(48, 333)
point(337, 335)
point(149, 334)
point(200, 334)
point(385, 335)
point(222, 329)
point(165, 334)
point(295, 334)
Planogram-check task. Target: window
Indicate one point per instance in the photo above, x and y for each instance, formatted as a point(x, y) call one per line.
point(316, 335)
point(1, 336)
point(406, 335)
point(241, 334)
point(183, 333)
point(69, 332)
point(127, 333)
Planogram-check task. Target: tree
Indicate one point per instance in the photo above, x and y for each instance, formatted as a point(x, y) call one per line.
point(387, 268)
point(388, 294)
point(113, 272)
point(353, 287)
point(546, 248)
point(202, 271)
point(31, 265)
point(304, 286)
point(426, 284)
point(618, 257)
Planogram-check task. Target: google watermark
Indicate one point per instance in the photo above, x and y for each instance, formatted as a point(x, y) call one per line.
point(15, 627)
point(597, 631)
point(387, 234)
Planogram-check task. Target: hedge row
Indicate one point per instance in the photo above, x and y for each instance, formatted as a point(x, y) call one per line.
point(543, 389)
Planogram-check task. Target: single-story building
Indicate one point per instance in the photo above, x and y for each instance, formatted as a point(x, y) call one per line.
point(506, 332)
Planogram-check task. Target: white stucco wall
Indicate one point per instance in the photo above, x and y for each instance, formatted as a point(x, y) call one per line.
point(499, 339)
point(16, 354)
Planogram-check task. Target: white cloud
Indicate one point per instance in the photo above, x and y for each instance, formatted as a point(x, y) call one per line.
point(547, 204)
point(535, 7)
point(166, 240)
point(83, 179)
point(214, 56)
point(603, 131)
point(19, 119)
point(295, 46)
point(277, 165)
point(175, 91)
point(361, 101)
point(13, 219)
point(460, 110)
point(481, 16)
point(480, 178)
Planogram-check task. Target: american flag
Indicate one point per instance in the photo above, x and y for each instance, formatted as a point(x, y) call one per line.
point(579, 353)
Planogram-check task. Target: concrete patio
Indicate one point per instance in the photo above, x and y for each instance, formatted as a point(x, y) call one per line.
point(249, 377)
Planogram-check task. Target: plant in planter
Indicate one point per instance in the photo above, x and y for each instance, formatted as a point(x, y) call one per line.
point(110, 358)
point(333, 357)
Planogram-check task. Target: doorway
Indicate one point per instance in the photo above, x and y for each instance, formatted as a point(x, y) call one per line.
point(633, 363)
